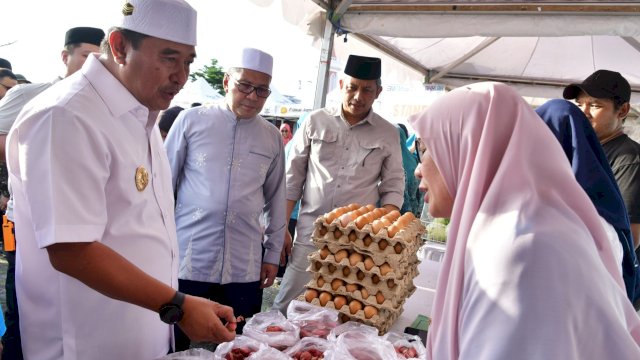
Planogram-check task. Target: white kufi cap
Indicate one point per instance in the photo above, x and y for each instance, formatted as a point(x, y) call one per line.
point(173, 20)
point(254, 59)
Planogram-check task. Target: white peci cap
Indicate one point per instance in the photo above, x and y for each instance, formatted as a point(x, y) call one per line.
point(173, 20)
point(254, 59)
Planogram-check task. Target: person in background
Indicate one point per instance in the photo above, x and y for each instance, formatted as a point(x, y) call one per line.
point(79, 42)
point(285, 131)
point(525, 244)
point(339, 156)
point(97, 259)
point(7, 81)
point(412, 201)
point(196, 104)
point(591, 168)
point(228, 170)
point(166, 119)
point(604, 98)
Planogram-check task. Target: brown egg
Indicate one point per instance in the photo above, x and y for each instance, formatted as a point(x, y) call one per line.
point(370, 207)
point(402, 222)
point(351, 287)
point(310, 294)
point(361, 221)
point(377, 212)
point(376, 226)
point(375, 279)
point(364, 293)
point(355, 258)
point(353, 206)
point(336, 283)
point(324, 253)
point(367, 240)
point(379, 297)
point(352, 236)
point(360, 275)
point(330, 216)
point(384, 211)
point(332, 268)
point(385, 222)
point(385, 269)
point(393, 215)
point(368, 263)
point(344, 317)
point(355, 306)
point(320, 281)
point(339, 301)
point(345, 219)
point(337, 234)
point(397, 248)
point(341, 254)
point(370, 311)
point(346, 271)
point(391, 284)
point(318, 265)
point(322, 231)
point(382, 244)
point(392, 230)
point(324, 298)
point(409, 216)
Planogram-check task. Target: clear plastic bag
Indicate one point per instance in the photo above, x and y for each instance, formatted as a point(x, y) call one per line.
point(312, 320)
point(313, 347)
point(273, 329)
point(269, 354)
point(358, 345)
point(351, 326)
point(191, 354)
point(240, 348)
point(407, 346)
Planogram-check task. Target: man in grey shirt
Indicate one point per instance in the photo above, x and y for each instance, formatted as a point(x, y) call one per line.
point(340, 156)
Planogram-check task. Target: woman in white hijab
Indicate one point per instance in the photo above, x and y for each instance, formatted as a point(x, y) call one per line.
point(528, 272)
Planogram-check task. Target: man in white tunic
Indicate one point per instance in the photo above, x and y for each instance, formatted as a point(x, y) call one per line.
point(98, 253)
point(340, 156)
point(228, 171)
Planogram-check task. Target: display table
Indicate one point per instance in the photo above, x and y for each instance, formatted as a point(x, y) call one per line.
point(420, 302)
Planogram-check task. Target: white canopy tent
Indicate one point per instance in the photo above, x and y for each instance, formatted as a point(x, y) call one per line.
point(537, 47)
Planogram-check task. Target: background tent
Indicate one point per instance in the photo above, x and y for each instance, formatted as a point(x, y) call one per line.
point(196, 91)
point(537, 47)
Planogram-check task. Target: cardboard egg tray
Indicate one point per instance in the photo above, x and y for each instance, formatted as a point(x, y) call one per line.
point(383, 320)
point(406, 271)
point(394, 261)
point(409, 238)
point(392, 298)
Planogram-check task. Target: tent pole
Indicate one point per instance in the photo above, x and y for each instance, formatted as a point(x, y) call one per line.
point(324, 66)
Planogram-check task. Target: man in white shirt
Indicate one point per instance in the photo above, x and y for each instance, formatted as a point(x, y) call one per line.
point(94, 205)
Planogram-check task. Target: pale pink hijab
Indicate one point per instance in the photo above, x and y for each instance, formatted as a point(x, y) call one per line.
point(528, 272)
point(286, 139)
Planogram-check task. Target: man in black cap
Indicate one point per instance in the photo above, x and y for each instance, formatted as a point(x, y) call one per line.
point(604, 98)
point(78, 44)
point(339, 156)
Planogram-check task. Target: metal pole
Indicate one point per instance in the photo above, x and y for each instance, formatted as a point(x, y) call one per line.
point(324, 66)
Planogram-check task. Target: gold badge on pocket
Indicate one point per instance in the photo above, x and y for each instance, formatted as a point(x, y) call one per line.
point(142, 178)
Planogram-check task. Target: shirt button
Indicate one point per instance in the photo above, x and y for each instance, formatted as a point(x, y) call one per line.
point(338, 185)
point(347, 148)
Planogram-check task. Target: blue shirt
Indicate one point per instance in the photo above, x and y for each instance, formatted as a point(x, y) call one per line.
point(226, 174)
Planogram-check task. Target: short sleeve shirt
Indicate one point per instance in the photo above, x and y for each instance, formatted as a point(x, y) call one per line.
point(624, 157)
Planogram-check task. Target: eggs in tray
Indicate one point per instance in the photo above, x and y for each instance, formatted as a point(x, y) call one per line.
point(365, 263)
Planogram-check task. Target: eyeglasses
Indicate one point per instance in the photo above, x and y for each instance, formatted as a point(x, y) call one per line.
point(247, 88)
point(284, 131)
point(6, 87)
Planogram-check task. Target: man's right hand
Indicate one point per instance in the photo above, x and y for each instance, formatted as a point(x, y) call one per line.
point(286, 248)
point(204, 320)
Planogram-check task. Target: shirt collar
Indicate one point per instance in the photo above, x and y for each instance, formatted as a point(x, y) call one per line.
point(370, 118)
point(116, 97)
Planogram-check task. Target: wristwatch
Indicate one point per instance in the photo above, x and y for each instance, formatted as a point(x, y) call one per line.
point(172, 312)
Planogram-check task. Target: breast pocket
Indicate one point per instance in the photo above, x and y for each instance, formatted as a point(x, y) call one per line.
point(257, 164)
point(323, 145)
point(371, 155)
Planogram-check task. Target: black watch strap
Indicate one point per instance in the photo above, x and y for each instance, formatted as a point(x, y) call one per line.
point(178, 299)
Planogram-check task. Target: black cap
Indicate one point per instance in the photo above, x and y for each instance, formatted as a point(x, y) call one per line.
point(168, 117)
point(363, 68)
point(5, 64)
point(602, 84)
point(87, 35)
point(21, 79)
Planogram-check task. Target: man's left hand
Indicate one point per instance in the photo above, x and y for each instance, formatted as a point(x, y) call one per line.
point(267, 275)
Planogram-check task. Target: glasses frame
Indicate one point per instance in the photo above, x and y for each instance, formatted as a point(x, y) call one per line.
point(247, 89)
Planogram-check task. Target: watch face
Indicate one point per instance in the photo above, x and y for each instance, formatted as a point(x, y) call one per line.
point(171, 313)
